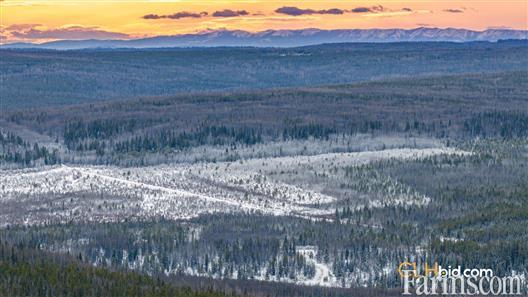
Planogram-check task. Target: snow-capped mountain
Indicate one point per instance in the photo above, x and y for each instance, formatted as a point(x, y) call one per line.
point(286, 38)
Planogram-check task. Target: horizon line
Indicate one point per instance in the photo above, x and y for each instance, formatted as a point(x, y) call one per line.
point(207, 31)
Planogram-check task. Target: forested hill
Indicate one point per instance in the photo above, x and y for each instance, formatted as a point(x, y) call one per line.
point(33, 78)
point(119, 132)
point(25, 272)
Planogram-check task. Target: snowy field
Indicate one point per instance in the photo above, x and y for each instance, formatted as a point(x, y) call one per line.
point(276, 186)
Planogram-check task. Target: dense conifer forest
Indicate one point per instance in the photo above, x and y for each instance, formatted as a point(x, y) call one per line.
point(30, 272)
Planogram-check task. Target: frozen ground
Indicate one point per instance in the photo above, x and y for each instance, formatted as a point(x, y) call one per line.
point(277, 186)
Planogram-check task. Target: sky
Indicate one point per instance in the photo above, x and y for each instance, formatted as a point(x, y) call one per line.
point(45, 20)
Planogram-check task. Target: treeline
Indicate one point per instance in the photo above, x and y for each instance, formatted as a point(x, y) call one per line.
point(27, 156)
point(13, 149)
point(98, 136)
point(498, 124)
point(122, 137)
point(98, 129)
point(209, 135)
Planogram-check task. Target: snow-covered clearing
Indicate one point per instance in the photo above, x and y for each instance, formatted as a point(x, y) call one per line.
point(97, 193)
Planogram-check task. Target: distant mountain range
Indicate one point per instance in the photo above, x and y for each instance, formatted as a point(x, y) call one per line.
point(285, 38)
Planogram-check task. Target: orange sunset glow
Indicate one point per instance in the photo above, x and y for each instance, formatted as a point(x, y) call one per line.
point(42, 20)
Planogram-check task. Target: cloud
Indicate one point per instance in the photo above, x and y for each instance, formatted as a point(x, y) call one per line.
point(451, 10)
point(406, 9)
point(228, 13)
point(332, 11)
point(363, 9)
point(153, 17)
point(72, 32)
point(295, 11)
point(176, 16)
point(21, 27)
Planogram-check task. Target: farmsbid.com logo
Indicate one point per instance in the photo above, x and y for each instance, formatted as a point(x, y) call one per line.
point(455, 281)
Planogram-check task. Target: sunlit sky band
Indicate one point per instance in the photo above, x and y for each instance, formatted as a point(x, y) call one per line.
point(43, 20)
